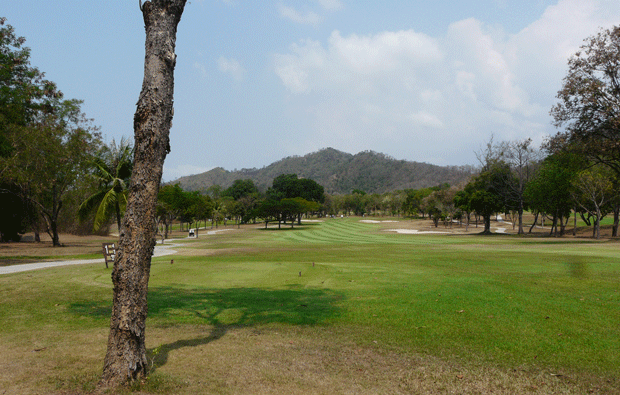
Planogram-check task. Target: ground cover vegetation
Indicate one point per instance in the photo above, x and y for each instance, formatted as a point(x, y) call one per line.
point(334, 306)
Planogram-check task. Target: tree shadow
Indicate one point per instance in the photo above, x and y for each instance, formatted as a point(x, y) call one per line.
point(224, 309)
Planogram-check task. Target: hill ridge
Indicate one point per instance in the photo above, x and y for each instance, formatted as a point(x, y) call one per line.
point(339, 173)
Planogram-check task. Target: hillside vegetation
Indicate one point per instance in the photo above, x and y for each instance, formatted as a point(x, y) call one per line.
point(339, 173)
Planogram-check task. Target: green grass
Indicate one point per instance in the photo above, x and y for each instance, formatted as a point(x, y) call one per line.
point(506, 302)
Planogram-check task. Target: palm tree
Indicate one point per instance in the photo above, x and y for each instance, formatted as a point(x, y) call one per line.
point(112, 168)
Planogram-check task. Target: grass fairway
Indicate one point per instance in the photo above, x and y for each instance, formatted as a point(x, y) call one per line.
point(335, 307)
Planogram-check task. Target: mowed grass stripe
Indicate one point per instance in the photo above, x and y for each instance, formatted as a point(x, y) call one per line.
point(341, 231)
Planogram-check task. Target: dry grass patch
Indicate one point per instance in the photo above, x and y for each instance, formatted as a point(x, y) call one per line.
point(73, 246)
point(268, 360)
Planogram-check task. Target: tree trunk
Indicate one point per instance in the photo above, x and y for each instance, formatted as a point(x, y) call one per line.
point(614, 230)
point(125, 360)
point(53, 216)
point(487, 224)
point(554, 225)
point(575, 224)
point(597, 223)
point(534, 224)
point(520, 214)
point(117, 208)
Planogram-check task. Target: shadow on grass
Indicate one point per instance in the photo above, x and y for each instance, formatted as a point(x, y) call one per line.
point(273, 226)
point(224, 309)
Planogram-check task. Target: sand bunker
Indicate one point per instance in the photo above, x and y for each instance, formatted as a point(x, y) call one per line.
point(415, 231)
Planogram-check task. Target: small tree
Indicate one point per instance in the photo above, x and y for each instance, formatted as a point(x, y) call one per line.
point(593, 190)
point(550, 190)
point(485, 195)
point(111, 171)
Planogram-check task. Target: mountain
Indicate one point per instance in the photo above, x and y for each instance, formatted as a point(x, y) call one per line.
point(339, 173)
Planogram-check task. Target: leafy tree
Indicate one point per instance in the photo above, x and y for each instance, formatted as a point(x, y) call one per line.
point(462, 202)
point(589, 106)
point(356, 202)
point(593, 189)
point(522, 160)
point(125, 358)
point(290, 186)
point(432, 207)
point(550, 190)
point(44, 140)
point(270, 209)
point(440, 205)
point(413, 200)
point(48, 157)
point(241, 188)
point(485, 196)
point(111, 171)
point(217, 213)
point(169, 205)
point(24, 92)
point(215, 191)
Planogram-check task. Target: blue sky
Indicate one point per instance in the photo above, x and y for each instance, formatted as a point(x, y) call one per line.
point(257, 81)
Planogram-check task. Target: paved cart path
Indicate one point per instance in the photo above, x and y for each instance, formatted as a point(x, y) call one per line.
point(160, 250)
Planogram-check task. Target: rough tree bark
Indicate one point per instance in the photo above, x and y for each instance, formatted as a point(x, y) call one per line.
point(125, 360)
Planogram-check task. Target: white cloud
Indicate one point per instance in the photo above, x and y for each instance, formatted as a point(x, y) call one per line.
point(423, 118)
point(232, 67)
point(361, 61)
point(331, 5)
point(202, 70)
point(307, 18)
point(458, 88)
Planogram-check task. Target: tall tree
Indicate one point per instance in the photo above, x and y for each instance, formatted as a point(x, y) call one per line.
point(522, 160)
point(111, 170)
point(589, 106)
point(44, 140)
point(589, 101)
point(125, 359)
point(48, 156)
point(24, 91)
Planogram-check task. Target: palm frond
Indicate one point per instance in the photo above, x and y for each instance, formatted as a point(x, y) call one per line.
point(89, 204)
point(106, 207)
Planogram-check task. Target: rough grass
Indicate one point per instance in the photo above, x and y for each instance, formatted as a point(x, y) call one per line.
point(334, 307)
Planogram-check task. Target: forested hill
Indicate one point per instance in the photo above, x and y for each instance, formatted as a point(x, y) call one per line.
point(339, 173)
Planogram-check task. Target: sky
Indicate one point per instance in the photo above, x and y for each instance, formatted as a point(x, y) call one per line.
point(257, 81)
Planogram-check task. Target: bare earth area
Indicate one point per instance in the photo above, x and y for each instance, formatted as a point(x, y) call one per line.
point(29, 251)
